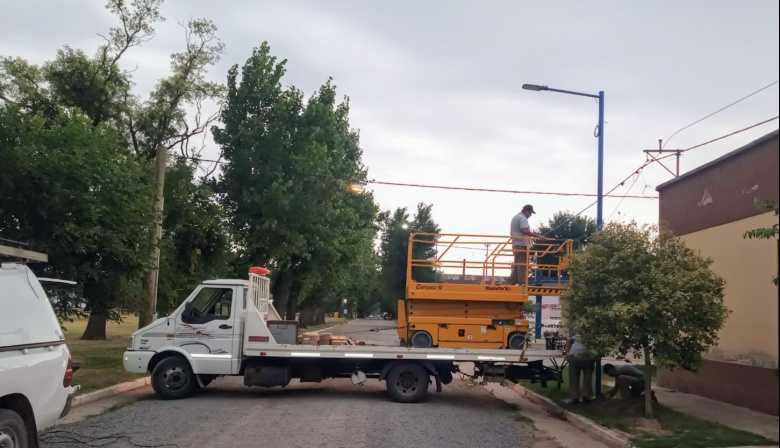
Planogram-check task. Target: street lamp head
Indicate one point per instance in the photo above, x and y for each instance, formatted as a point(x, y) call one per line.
point(357, 187)
point(405, 226)
point(534, 87)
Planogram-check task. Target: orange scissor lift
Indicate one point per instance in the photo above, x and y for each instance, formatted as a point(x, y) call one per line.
point(457, 295)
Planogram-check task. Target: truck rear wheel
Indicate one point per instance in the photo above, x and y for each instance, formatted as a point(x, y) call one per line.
point(408, 382)
point(13, 431)
point(172, 378)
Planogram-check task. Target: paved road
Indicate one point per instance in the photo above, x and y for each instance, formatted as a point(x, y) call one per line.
point(329, 414)
point(370, 331)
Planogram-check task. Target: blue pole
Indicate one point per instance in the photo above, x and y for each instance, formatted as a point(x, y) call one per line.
point(600, 207)
point(538, 317)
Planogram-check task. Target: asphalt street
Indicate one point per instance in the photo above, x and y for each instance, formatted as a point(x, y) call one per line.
point(333, 413)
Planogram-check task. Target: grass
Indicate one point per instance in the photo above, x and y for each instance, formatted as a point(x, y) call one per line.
point(670, 429)
point(101, 361)
point(517, 416)
point(329, 322)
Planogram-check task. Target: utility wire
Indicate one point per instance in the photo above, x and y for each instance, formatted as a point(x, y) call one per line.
point(493, 190)
point(733, 133)
point(446, 187)
point(718, 111)
point(642, 167)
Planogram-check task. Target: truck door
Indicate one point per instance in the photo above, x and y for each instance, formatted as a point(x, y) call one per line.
point(207, 329)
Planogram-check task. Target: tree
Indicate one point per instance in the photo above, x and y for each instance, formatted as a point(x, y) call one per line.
point(70, 189)
point(766, 233)
point(97, 87)
point(634, 290)
point(393, 251)
point(285, 188)
point(568, 226)
point(195, 242)
point(564, 226)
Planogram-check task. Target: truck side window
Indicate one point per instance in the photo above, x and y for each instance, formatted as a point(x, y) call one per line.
point(210, 304)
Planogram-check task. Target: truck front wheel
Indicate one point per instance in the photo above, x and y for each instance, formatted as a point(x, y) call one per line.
point(172, 378)
point(408, 382)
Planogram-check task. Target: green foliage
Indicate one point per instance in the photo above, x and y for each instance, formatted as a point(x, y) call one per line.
point(568, 226)
point(70, 189)
point(394, 252)
point(765, 233)
point(195, 243)
point(634, 290)
point(564, 226)
point(92, 96)
point(285, 188)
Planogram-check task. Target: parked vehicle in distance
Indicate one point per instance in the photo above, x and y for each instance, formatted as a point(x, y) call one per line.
point(36, 369)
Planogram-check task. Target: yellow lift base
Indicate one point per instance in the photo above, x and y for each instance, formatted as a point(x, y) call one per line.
point(477, 309)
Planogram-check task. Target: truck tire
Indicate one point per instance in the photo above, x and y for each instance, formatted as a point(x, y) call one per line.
point(408, 382)
point(172, 378)
point(422, 339)
point(13, 431)
point(515, 341)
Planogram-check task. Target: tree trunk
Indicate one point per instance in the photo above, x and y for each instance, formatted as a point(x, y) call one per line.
point(307, 316)
point(648, 385)
point(319, 315)
point(281, 290)
point(292, 304)
point(96, 328)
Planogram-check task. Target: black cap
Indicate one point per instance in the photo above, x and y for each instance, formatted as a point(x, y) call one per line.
point(529, 208)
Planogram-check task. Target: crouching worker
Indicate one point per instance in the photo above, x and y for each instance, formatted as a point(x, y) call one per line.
point(629, 381)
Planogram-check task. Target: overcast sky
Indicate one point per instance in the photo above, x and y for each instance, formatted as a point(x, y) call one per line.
point(435, 86)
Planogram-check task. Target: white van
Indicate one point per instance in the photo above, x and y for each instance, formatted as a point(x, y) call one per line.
point(36, 370)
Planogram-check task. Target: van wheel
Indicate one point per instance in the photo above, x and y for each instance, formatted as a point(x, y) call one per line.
point(408, 382)
point(172, 378)
point(422, 339)
point(13, 431)
point(515, 341)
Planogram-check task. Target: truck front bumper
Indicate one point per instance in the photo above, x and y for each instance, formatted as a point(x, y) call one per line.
point(137, 361)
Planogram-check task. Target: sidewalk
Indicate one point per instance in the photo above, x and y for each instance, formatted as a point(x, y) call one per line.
point(726, 414)
point(736, 417)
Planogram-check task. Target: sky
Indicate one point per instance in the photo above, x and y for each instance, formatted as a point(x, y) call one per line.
point(435, 87)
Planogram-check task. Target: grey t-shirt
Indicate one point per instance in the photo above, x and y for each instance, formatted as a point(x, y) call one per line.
point(628, 370)
point(519, 222)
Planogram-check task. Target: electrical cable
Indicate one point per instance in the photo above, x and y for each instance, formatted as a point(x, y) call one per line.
point(636, 178)
point(58, 437)
point(731, 134)
point(718, 111)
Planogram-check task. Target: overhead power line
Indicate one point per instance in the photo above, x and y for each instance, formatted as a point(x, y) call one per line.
point(493, 190)
point(718, 111)
point(733, 133)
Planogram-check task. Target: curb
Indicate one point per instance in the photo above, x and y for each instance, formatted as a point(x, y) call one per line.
point(586, 425)
point(111, 391)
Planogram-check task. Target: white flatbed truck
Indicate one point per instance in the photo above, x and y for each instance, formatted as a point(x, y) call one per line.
point(231, 328)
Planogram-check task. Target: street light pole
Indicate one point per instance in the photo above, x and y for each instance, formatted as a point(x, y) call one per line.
point(600, 197)
point(600, 186)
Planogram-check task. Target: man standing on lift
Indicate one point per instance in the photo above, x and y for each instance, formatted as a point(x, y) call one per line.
point(520, 231)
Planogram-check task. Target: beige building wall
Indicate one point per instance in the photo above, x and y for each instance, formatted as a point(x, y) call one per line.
point(749, 335)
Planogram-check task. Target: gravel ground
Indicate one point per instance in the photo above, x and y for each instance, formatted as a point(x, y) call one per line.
point(330, 414)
